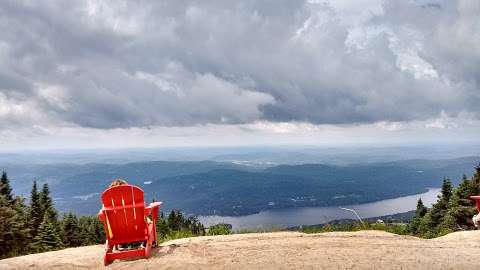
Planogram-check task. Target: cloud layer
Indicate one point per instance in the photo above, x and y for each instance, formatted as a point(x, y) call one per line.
point(121, 64)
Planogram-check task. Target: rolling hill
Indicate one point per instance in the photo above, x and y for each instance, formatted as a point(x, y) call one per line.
point(208, 187)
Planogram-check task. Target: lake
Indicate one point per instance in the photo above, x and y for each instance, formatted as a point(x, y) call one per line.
point(283, 218)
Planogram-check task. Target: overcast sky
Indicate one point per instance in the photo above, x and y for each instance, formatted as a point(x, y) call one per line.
point(86, 74)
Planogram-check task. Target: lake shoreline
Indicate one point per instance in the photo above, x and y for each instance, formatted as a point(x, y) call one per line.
point(293, 217)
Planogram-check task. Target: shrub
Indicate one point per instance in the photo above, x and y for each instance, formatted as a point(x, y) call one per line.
point(220, 229)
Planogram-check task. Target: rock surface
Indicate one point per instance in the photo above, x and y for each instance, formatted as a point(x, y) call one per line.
point(280, 250)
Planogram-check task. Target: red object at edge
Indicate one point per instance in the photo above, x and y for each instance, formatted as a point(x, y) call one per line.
point(124, 217)
point(477, 201)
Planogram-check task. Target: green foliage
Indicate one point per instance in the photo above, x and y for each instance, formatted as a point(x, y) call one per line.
point(220, 229)
point(35, 216)
point(47, 238)
point(36, 228)
point(162, 226)
point(177, 235)
point(461, 207)
point(421, 209)
point(70, 231)
point(5, 188)
point(440, 208)
point(43, 221)
point(13, 231)
point(91, 230)
point(176, 225)
point(38, 224)
point(46, 205)
point(453, 210)
point(174, 220)
point(420, 212)
point(357, 226)
point(423, 225)
point(258, 230)
point(47, 235)
point(476, 178)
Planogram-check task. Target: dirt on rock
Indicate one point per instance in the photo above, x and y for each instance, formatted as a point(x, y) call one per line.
point(280, 250)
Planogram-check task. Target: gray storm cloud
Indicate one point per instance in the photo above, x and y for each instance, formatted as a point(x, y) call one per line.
point(119, 64)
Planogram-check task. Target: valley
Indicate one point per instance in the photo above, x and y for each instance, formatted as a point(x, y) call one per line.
point(231, 189)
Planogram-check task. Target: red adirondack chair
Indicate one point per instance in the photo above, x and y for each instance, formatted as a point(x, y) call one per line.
point(476, 218)
point(124, 217)
point(477, 201)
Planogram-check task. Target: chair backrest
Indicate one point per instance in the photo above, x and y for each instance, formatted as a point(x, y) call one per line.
point(124, 208)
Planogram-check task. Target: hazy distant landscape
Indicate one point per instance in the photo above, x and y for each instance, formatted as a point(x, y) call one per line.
point(241, 181)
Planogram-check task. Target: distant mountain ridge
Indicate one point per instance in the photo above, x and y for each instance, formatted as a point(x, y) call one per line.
point(209, 187)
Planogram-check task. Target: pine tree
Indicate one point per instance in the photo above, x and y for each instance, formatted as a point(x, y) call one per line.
point(46, 204)
point(421, 209)
point(425, 228)
point(175, 220)
point(5, 188)
point(47, 237)
point(35, 210)
point(419, 214)
point(98, 232)
point(171, 221)
point(12, 229)
point(440, 208)
point(461, 208)
point(91, 230)
point(70, 230)
point(23, 235)
point(162, 226)
point(476, 178)
point(196, 227)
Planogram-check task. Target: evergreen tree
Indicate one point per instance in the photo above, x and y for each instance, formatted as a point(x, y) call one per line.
point(195, 226)
point(476, 178)
point(24, 235)
point(162, 226)
point(91, 230)
point(35, 210)
point(46, 205)
point(461, 208)
point(70, 231)
point(419, 214)
point(5, 188)
point(440, 208)
point(47, 237)
point(13, 226)
point(425, 228)
point(98, 232)
point(421, 209)
point(12, 229)
point(175, 220)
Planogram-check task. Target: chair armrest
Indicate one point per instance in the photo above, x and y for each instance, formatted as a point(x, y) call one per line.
point(101, 216)
point(152, 209)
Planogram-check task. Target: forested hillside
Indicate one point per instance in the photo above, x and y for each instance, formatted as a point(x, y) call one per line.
point(453, 211)
point(207, 187)
point(36, 226)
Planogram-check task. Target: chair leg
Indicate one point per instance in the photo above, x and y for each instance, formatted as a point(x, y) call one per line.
point(147, 251)
point(106, 260)
point(108, 249)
